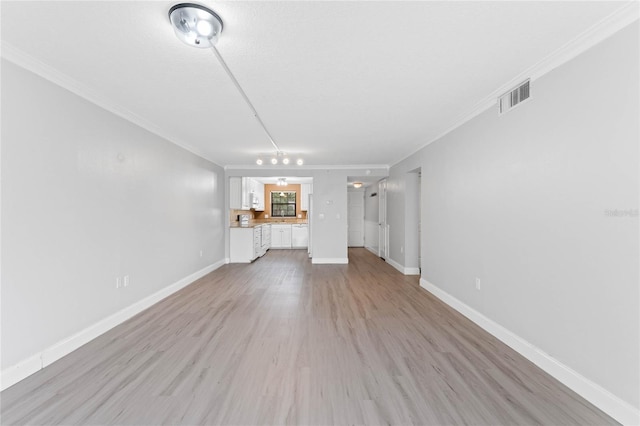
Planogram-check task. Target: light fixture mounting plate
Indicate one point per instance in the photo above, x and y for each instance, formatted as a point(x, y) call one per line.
point(195, 25)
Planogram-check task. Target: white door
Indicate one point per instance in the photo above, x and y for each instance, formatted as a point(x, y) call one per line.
point(310, 223)
point(355, 222)
point(383, 233)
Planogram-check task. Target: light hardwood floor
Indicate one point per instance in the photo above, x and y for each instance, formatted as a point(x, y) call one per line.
point(283, 341)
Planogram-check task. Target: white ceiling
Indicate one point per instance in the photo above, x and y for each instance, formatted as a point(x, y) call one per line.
point(342, 83)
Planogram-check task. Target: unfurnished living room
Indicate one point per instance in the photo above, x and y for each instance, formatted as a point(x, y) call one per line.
point(320, 212)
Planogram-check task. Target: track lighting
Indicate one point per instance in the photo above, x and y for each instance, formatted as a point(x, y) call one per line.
point(279, 157)
point(199, 26)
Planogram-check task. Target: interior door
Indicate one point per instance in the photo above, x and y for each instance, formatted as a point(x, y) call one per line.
point(383, 231)
point(355, 209)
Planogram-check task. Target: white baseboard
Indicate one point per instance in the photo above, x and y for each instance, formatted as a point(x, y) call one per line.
point(620, 410)
point(12, 375)
point(330, 260)
point(402, 269)
point(372, 250)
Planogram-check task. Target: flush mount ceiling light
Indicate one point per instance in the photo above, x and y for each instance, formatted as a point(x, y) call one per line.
point(195, 25)
point(199, 26)
point(357, 184)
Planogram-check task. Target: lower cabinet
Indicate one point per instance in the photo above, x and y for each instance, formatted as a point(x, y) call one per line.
point(249, 243)
point(242, 245)
point(281, 236)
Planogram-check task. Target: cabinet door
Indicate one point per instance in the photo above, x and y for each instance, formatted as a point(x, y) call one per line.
point(246, 199)
point(276, 237)
point(286, 237)
point(257, 189)
point(260, 193)
point(304, 197)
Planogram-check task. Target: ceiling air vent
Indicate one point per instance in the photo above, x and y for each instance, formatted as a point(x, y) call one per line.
point(513, 97)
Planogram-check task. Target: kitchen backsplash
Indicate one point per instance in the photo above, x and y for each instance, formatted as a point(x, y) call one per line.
point(260, 217)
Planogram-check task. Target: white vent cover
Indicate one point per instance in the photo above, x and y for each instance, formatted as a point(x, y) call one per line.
point(513, 97)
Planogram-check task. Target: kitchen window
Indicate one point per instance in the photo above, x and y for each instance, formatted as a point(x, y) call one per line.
point(283, 204)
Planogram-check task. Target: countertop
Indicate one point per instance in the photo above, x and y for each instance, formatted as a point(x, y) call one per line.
point(254, 224)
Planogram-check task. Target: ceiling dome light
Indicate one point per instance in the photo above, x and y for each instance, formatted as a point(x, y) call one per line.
point(299, 162)
point(357, 184)
point(259, 161)
point(204, 28)
point(274, 161)
point(195, 25)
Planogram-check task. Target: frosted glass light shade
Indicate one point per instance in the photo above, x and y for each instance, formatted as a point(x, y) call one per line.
point(195, 25)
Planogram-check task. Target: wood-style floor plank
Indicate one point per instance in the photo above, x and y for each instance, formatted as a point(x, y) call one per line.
point(282, 341)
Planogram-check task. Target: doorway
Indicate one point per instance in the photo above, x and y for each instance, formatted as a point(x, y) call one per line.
point(383, 231)
point(413, 227)
point(355, 222)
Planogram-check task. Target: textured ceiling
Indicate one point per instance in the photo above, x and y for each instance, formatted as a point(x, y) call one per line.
point(342, 83)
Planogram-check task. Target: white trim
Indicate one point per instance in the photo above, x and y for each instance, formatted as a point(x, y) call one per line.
point(395, 264)
point(329, 260)
point(371, 249)
point(404, 270)
point(411, 271)
point(34, 65)
point(598, 32)
point(27, 367)
point(294, 167)
point(620, 410)
point(15, 373)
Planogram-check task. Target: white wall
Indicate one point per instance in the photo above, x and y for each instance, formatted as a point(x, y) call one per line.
point(371, 215)
point(520, 201)
point(87, 197)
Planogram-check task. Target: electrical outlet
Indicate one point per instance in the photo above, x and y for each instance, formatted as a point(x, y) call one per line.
point(401, 249)
point(118, 282)
point(478, 283)
point(200, 253)
point(125, 281)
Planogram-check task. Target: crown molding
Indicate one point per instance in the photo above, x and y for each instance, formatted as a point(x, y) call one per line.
point(34, 65)
point(310, 167)
point(603, 29)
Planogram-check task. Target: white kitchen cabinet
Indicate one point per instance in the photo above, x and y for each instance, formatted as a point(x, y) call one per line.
point(281, 236)
point(258, 196)
point(266, 237)
point(305, 190)
point(242, 245)
point(299, 236)
point(239, 193)
point(248, 243)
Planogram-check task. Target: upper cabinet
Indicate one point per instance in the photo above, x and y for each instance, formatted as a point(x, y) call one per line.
point(245, 194)
point(257, 195)
point(237, 190)
point(305, 190)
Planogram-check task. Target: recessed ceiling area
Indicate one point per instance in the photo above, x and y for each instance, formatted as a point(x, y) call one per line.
point(339, 83)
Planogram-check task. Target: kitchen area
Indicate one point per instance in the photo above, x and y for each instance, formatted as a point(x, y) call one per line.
point(268, 213)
